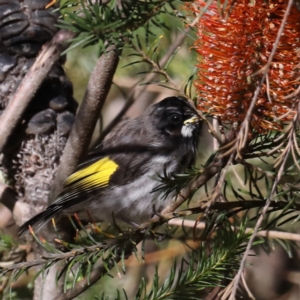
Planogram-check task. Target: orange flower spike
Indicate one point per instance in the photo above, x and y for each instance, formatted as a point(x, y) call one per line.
point(232, 50)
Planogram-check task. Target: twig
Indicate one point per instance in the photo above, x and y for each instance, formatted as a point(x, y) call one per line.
point(98, 273)
point(212, 169)
point(259, 222)
point(250, 295)
point(51, 258)
point(137, 237)
point(129, 102)
point(156, 67)
point(226, 292)
point(227, 206)
point(218, 206)
point(216, 142)
point(219, 184)
point(256, 228)
point(13, 113)
point(271, 234)
point(83, 284)
point(98, 87)
point(268, 174)
point(262, 216)
point(136, 94)
point(194, 185)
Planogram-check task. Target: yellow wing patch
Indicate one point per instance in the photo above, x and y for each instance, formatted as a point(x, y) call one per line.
point(95, 175)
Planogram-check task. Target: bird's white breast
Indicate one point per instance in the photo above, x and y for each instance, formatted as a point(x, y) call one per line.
point(187, 130)
point(134, 201)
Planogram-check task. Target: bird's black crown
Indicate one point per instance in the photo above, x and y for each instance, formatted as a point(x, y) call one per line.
point(175, 116)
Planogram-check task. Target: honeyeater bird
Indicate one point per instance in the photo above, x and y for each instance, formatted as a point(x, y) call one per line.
point(116, 180)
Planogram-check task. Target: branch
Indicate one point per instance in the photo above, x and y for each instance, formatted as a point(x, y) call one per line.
point(271, 234)
point(281, 169)
point(155, 66)
point(186, 193)
point(258, 224)
point(227, 206)
point(13, 113)
point(84, 284)
point(137, 236)
point(60, 256)
point(136, 94)
point(98, 87)
point(115, 252)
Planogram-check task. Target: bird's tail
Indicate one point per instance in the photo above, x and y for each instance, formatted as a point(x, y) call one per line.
point(38, 221)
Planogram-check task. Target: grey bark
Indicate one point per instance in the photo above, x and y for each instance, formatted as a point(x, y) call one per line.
point(31, 156)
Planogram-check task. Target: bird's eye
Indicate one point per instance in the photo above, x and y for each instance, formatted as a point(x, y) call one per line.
point(175, 119)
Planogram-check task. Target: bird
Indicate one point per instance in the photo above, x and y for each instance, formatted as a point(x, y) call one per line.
point(115, 181)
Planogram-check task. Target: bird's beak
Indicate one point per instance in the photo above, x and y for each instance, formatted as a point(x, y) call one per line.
point(193, 119)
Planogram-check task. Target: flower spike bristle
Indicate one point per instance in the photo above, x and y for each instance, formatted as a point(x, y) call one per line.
point(234, 47)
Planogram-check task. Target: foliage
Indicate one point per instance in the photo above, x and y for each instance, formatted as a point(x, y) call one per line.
point(113, 22)
point(215, 262)
point(251, 179)
point(209, 265)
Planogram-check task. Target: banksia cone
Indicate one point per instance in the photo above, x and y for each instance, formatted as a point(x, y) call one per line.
point(30, 158)
point(234, 45)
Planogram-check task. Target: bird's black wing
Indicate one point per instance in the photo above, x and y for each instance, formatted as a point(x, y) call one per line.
point(116, 162)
